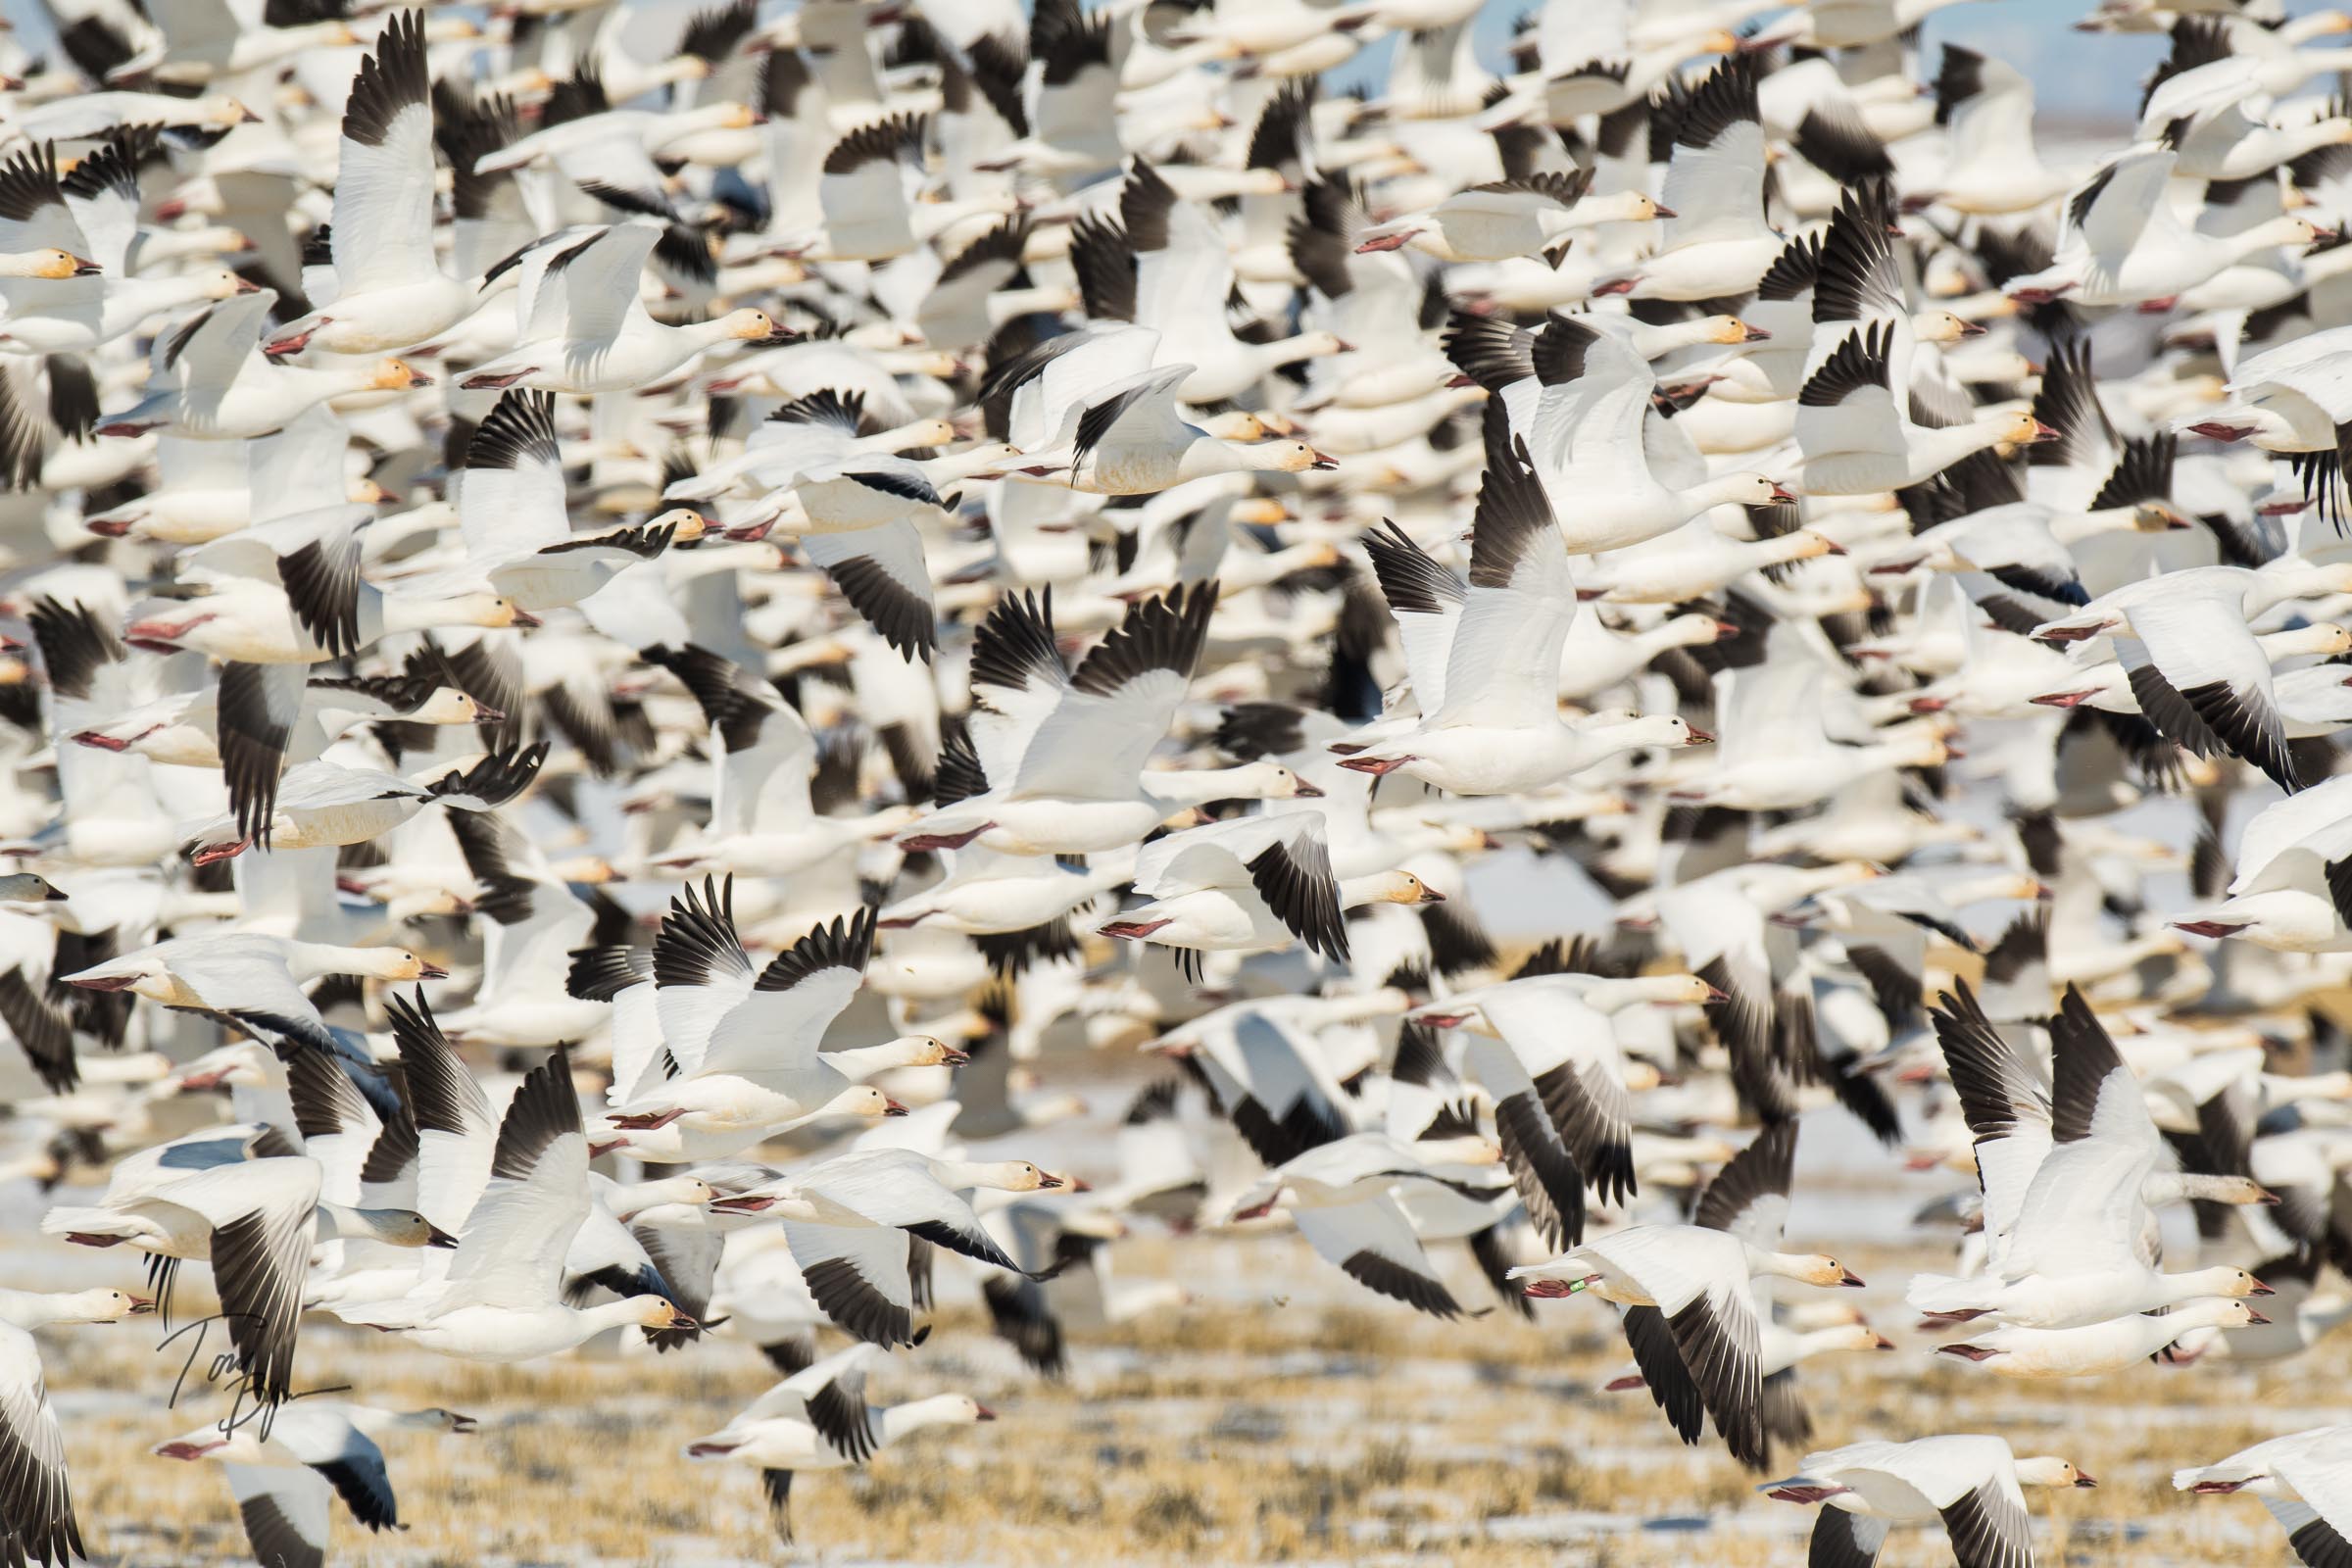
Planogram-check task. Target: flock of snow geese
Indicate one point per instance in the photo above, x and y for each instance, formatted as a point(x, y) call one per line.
point(664, 644)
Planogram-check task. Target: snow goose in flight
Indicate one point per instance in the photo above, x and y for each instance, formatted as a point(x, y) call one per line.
point(88, 116)
point(1063, 751)
point(312, 1452)
point(238, 972)
point(866, 192)
point(1544, 1046)
point(2304, 1478)
point(1858, 422)
point(860, 508)
point(1506, 217)
point(2294, 399)
point(818, 1419)
point(1489, 701)
point(1716, 245)
point(746, 1046)
point(1699, 1284)
point(1992, 166)
point(324, 805)
point(584, 328)
point(2291, 860)
point(764, 818)
point(1586, 421)
point(2194, 623)
point(1181, 270)
point(1776, 755)
point(208, 383)
point(2210, 102)
point(1971, 1484)
point(289, 591)
point(90, 218)
point(254, 1220)
point(519, 541)
point(207, 488)
point(1747, 1198)
point(849, 1221)
point(389, 292)
point(536, 922)
point(1343, 1197)
point(503, 1297)
point(1254, 884)
point(2122, 244)
point(2071, 1250)
point(40, 1527)
point(2091, 1350)
point(1092, 412)
point(597, 146)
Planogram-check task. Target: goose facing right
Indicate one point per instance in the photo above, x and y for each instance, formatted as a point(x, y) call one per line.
point(1969, 1485)
point(818, 1419)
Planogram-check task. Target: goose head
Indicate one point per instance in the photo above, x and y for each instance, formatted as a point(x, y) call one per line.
point(1817, 1268)
point(449, 705)
point(1747, 490)
point(864, 1102)
point(1014, 1176)
point(923, 433)
point(393, 375)
point(1730, 329)
point(690, 524)
point(98, 1307)
point(1625, 207)
point(436, 1419)
point(1266, 781)
point(2023, 430)
point(24, 886)
point(394, 963)
point(1401, 887)
point(2049, 1470)
point(1657, 729)
point(1856, 1336)
point(1287, 457)
point(1943, 326)
point(461, 610)
point(220, 109)
point(396, 1227)
point(750, 326)
point(654, 1313)
point(220, 284)
point(50, 263)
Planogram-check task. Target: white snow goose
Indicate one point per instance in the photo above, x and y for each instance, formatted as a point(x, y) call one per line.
point(36, 1507)
point(1970, 1485)
point(2304, 1478)
point(1254, 884)
point(313, 1450)
point(2195, 625)
point(1716, 245)
point(850, 1222)
point(818, 1419)
point(741, 1049)
point(1489, 706)
point(502, 1299)
point(1061, 752)
point(1700, 1285)
point(389, 292)
point(1343, 1197)
point(208, 382)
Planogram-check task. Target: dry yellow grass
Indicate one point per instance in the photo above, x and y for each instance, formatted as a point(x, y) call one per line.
point(1330, 1429)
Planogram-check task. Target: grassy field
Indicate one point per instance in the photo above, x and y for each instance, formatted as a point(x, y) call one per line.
point(1318, 1425)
